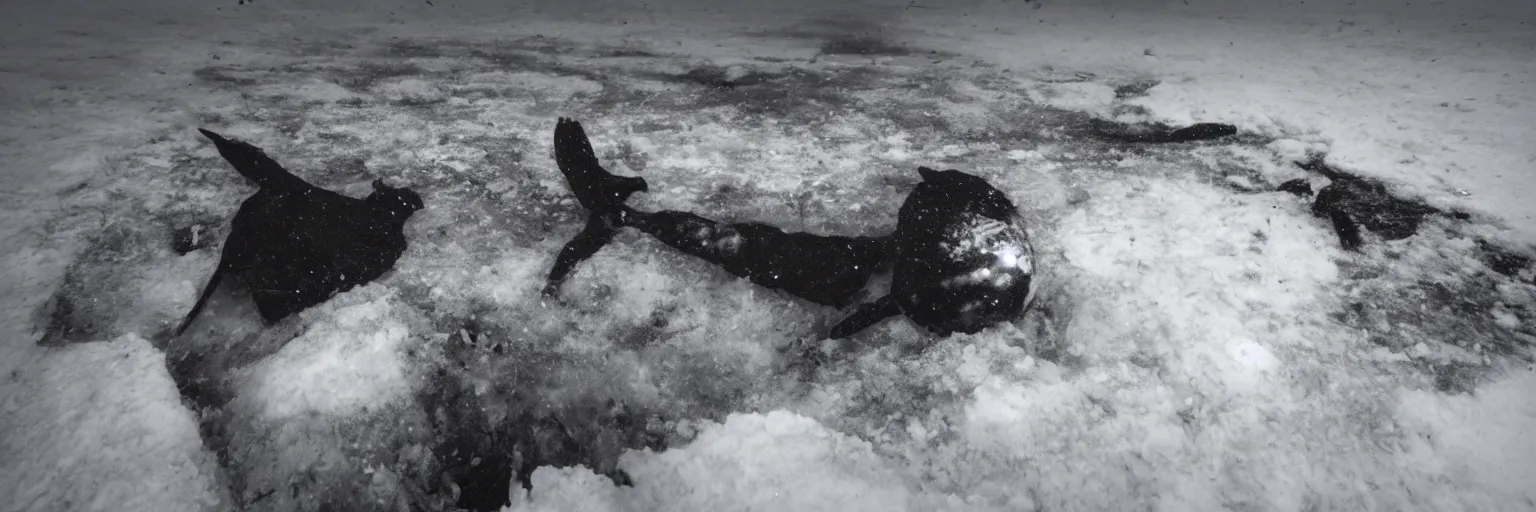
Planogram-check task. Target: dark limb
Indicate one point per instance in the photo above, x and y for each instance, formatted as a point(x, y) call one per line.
point(1200, 131)
point(828, 270)
point(202, 300)
point(599, 191)
point(1349, 232)
point(598, 232)
point(1158, 133)
point(254, 164)
point(867, 315)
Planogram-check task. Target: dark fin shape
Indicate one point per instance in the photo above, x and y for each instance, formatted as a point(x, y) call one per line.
point(1349, 232)
point(1200, 131)
point(202, 300)
point(867, 315)
point(1316, 164)
point(254, 164)
point(596, 189)
point(928, 173)
point(1299, 186)
point(599, 191)
point(599, 231)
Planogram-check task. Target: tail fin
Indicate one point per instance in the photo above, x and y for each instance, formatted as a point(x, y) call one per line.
point(202, 300)
point(596, 189)
point(599, 191)
point(600, 230)
point(252, 162)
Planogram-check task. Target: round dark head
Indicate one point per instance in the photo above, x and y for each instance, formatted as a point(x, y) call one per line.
point(398, 202)
point(960, 191)
point(963, 260)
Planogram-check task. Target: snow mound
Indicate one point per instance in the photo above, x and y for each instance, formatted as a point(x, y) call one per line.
point(774, 461)
point(116, 400)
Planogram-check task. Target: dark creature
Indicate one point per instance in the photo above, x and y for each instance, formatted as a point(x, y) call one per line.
point(829, 270)
point(961, 260)
point(1158, 133)
point(295, 245)
point(1352, 201)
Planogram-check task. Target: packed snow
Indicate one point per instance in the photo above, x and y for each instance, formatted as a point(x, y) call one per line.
point(1198, 341)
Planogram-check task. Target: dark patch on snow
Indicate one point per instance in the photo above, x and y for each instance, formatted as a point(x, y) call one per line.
point(1456, 377)
point(1157, 133)
point(1352, 199)
point(88, 304)
point(1135, 89)
point(863, 45)
point(1299, 186)
point(492, 436)
point(1502, 260)
point(225, 75)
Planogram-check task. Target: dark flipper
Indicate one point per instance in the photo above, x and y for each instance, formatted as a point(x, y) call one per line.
point(867, 315)
point(1200, 131)
point(254, 164)
point(599, 231)
point(596, 189)
point(599, 191)
point(202, 300)
point(1349, 232)
point(1158, 133)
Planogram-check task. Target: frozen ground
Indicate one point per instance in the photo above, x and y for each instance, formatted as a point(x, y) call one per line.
point(1201, 342)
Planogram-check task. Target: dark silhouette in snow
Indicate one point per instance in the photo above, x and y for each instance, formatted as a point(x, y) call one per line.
point(962, 260)
point(1299, 186)
point(295, 245)
point(828, 270)
point(1158, 133)
point(1350, 202)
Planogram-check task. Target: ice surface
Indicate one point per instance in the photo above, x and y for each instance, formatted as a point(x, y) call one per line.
point(1201, 342)
point(111, 435)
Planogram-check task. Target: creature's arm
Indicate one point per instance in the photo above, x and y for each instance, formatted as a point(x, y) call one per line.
point(867, 315)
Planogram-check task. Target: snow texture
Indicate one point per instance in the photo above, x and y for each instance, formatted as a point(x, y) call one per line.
point(1199, 341)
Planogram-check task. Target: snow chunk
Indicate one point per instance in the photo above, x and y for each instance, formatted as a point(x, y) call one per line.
point(336, 368)
point(1484, 438)
point(105, 429)
point(774, 461)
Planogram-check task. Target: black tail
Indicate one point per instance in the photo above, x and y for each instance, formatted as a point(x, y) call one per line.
point(596, 189)
point(253, 163)
point(599, 231)
point(599, 191)
point(213, 283)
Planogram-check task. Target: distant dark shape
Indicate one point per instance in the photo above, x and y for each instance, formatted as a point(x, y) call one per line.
point(1159, 133)
point(295, 245)
point(1299, 186)
point(829, 270)
point(1135, 89)
point(1200, 131)
point(1502, 260)
point(963, 260)
point(1352, 201)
